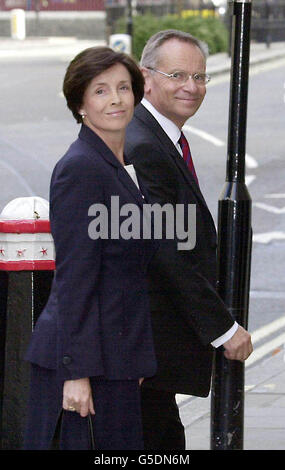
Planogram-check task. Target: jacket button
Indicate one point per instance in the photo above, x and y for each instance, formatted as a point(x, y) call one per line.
point(66, 360)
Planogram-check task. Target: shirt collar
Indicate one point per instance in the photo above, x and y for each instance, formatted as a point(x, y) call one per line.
point(168, 126)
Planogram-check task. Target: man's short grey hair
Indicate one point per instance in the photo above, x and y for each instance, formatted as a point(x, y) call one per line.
point(150, 54)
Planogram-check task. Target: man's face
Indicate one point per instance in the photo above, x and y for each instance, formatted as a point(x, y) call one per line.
point(175, 101)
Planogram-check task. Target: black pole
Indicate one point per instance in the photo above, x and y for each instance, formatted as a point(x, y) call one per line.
point(130, 18)
point(3, 330)
point(234, 243)
point(37, 10)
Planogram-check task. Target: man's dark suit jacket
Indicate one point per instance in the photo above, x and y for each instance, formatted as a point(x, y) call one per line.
point(187, 313)
point(97, 319)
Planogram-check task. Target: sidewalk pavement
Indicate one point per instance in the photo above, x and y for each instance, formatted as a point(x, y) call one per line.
point(65, 48)
point(41, 48)
point(264, 408)
point(264, 415)
point(259, 53)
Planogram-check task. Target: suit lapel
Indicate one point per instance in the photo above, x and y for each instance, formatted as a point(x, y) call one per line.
point(99, 145)
point(130, 185)
point(147, 118)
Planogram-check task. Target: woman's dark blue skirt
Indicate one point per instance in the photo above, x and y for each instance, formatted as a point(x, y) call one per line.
point(116, 424)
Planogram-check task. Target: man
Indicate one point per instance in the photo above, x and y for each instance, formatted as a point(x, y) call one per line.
point(189, 318)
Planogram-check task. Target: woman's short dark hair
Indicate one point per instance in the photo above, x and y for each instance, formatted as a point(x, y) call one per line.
point(90, 63)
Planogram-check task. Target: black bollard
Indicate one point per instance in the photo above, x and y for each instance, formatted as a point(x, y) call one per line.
point(3, 303)
point(27, 293)
point(234, 243)
point(26, 273)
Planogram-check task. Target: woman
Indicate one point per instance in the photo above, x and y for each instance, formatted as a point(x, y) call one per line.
point(92, 344)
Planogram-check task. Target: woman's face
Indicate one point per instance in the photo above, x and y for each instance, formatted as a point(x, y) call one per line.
point(108, 101)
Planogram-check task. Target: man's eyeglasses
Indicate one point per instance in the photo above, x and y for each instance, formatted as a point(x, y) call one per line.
point(182, 77)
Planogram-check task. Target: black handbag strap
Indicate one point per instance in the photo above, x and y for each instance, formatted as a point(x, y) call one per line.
point(91, 433)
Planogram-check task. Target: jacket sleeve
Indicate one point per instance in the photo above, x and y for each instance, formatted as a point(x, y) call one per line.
point(194, 297)
point(75, 186)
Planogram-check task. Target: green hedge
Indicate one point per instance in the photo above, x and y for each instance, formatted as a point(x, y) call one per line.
point(210, 30)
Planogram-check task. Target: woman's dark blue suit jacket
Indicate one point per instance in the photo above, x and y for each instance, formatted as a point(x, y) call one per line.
point(97, 320)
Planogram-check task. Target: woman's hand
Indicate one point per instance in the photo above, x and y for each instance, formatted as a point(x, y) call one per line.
point(77, 396)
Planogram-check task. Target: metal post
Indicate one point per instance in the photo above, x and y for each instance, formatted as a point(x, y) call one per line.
point(37, 10)
point(234, 243)
point(3, 328)
point(27, 293)
point(268, 18)
point(130, 18)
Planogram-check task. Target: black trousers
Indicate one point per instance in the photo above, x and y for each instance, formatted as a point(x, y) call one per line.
point(162, 426)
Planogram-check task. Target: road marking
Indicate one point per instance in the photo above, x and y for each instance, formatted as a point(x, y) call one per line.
point(204, 135)
point(249, 179)
point(264, 67)
point(267, 207)
point(261, 294)
point(254, 69)
point(21, 152)
point(262, 351)
point(250, 161)
point(275, 196)
point(22, 181)
point(267, 330)
point(268, 237)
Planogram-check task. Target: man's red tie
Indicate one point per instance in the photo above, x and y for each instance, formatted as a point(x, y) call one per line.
point(187, 155)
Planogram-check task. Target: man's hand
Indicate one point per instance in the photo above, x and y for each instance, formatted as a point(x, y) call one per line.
point(239, 347)
point(77, 396)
